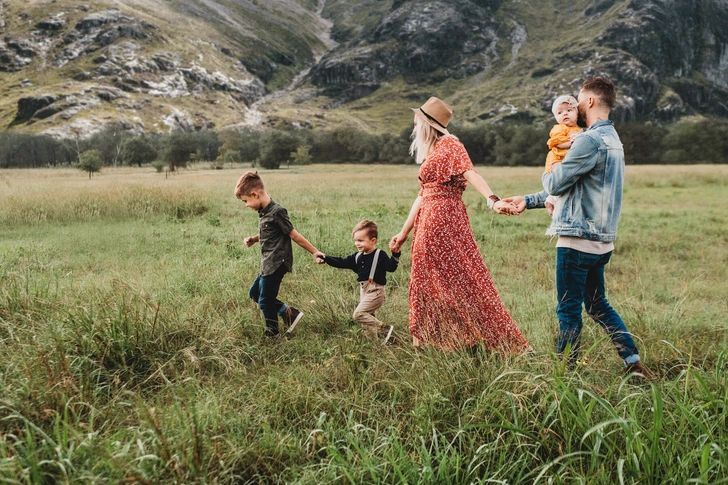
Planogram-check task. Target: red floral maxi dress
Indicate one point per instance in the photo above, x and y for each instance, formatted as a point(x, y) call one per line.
point(453, 302)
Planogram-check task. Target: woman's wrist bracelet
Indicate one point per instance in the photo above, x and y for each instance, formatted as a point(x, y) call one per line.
point(492, 199)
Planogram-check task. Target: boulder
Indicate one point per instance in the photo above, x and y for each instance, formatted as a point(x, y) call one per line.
point(108, 93)
point(22, 47)
point(27, 107)
point(51, 24)
point(9, 59)
point(98, 19)
point(166, 61)
point(47, 112)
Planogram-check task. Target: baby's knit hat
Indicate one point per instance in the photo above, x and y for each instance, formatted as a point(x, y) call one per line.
point(570, 100)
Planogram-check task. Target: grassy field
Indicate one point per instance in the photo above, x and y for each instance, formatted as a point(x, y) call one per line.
point(132, 354)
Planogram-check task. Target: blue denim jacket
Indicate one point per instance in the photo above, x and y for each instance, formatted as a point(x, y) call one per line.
point(589, 181)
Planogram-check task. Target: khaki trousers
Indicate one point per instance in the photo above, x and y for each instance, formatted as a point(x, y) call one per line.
point(371, 299)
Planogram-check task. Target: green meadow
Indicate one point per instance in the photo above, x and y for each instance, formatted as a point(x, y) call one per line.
point(131, 353)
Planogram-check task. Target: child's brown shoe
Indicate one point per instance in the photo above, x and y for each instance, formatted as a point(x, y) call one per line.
point(291, 317)
point(639, 372)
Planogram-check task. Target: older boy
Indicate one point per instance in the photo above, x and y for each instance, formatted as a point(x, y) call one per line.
point(275, 233)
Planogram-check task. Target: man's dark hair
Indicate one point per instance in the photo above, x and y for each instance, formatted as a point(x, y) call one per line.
point(602, 87)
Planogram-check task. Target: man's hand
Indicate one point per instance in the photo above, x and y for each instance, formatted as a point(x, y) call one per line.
point(319, 257)
point(518, 201)
point(249, 241)
point(507, 208)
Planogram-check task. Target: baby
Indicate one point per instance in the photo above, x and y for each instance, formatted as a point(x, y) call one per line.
point(562, 135)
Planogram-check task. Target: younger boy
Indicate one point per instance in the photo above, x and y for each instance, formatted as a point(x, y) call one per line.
point(562, 135)
point(275, 232)
point(371, 265)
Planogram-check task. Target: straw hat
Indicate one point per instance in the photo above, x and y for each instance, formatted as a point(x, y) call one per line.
point(435, 113)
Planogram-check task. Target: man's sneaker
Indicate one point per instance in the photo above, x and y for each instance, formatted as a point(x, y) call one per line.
point(641, 373)
point(389, 334)
point(291, 317)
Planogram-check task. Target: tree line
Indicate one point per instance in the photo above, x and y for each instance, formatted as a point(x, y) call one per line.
point(502, 144)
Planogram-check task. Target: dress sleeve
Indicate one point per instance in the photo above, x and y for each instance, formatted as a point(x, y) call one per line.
point(449, 160)
point(459, 158)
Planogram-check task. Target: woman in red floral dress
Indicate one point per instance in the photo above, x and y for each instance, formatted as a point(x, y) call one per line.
point(453, 303)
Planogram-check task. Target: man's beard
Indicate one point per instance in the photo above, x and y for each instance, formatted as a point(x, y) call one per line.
point(580, 119)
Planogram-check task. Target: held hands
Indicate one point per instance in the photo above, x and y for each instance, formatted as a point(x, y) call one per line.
point(318, 256)
point(395, 245)
point(518, 202)
point(506, 207)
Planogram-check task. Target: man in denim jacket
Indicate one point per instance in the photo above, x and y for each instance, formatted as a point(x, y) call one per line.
point(585, 219)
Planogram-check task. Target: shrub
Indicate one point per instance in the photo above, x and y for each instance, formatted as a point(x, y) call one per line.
point(159, 165)
point(108, 143)
point(676, 156)
point(703, 140)
point(301, 156)
point(642, 142)
point(177, 149)
point(276, 147)
point(90, 162)
point(138, 150)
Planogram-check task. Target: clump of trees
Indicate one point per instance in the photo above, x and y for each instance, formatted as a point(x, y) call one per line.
point(507, 144)
point(138, 150)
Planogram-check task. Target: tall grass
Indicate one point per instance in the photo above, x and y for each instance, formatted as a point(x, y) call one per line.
point(131, 352)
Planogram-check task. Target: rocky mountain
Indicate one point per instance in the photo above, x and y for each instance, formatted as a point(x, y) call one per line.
point(68, 68)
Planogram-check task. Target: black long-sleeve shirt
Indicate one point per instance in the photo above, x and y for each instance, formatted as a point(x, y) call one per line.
point(364, 265)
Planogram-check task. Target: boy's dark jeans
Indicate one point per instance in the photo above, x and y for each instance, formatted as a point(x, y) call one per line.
point(265, 293)
point(580, 280)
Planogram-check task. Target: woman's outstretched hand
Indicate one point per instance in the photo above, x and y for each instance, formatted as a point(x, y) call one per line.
point(518, 201)
point(507, 208)
point(395, 245)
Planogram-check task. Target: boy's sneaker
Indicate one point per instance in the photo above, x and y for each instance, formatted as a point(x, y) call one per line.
point(291, 317)
point(389, 334)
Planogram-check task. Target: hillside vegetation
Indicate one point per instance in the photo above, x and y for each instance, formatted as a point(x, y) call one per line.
point(71, 67)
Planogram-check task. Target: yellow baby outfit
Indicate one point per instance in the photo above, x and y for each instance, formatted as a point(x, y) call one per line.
point(559, 134)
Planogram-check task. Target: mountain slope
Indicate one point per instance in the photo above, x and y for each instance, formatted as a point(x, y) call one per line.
point(67, 67)
point(149, 64)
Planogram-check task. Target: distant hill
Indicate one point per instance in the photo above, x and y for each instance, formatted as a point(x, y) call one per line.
point(68, 68)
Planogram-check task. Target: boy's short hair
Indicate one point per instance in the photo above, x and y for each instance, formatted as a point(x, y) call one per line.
point(602, 87)
point(369, 226)
point(248, 183)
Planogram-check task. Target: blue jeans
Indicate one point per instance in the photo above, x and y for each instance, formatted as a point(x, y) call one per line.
point(580, 280)
point(264, 292)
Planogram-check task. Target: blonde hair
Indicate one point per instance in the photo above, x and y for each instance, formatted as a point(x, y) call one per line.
point(369, 226)
point(423, 137)
point(249, 182)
